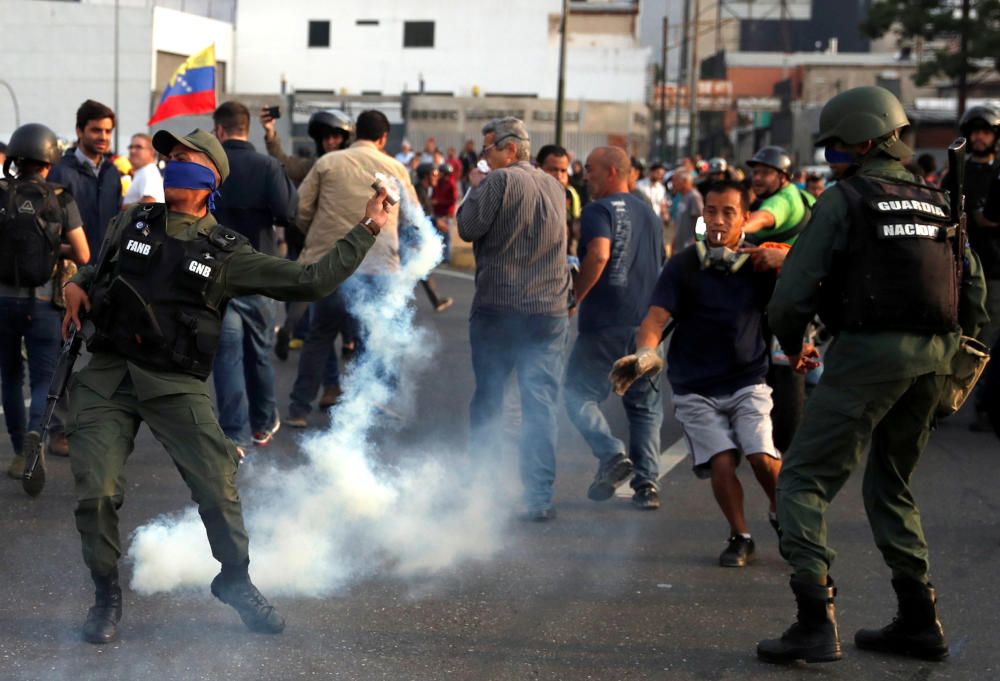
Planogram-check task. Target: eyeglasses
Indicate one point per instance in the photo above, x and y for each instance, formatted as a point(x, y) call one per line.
point(482, 152)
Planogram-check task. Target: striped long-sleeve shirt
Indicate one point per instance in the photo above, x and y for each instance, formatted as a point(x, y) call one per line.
point(516, 221)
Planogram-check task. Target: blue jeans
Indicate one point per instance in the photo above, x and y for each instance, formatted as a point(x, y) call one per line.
point(243, 373)
point(587, 386)
point(38, 324)
point(533, 346)
point(327, 318)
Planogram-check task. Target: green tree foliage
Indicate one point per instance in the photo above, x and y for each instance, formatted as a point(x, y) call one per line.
point(940, 21)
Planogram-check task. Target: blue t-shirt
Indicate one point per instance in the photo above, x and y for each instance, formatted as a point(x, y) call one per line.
point(619, 296)
point(718, 345)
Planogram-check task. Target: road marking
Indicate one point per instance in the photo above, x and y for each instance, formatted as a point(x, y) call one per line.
point(27, 403)
point(456, 275)
point(668, 460)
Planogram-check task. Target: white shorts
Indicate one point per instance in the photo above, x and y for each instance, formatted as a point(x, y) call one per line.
point(739, 422)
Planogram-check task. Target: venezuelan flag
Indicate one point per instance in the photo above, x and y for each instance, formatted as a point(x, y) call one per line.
point(191, 89)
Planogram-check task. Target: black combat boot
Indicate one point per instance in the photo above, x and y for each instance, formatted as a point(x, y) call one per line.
point(102, 619)
point(238, 591)
point(915, 631)
point(813, 637)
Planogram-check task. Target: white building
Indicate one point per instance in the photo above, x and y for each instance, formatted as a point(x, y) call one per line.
point(485, 47)
point(57, 54)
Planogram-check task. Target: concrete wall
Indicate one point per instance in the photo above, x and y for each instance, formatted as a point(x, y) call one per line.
point(57, 54)
point(488, 46)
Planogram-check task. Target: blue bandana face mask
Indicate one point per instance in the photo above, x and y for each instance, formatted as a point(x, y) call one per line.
point(187, 175)
point(835, 156)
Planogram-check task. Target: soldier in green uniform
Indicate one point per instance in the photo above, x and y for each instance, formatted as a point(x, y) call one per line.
point(154, 306)
point(878, 263)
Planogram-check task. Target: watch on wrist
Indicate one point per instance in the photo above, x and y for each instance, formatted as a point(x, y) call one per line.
point(370, 225)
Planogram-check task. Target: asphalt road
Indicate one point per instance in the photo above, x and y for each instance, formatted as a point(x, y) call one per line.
point(602, 592)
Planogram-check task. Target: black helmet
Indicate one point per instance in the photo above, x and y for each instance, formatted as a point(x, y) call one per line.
point(34, 142)
point(445, 169)
point(984, 114)
point(772, 157)
point(322, 122)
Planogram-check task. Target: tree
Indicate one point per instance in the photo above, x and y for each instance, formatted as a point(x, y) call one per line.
point(966, 35)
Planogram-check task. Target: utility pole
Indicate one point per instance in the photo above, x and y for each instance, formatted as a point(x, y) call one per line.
point(693, 87)
point(561, 89)
point(681, 75)
point(662, 142)
point(963, 83)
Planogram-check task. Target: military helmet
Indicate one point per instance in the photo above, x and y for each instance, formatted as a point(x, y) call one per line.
point(772, 157)
point(321, 122)
point(861, 114)
point(717, 165)
point(981, 114)
point(34, 142)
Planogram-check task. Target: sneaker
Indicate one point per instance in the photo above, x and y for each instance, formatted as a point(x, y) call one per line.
point(646, 498)
point(739, 552)
point(444, 304)
point(610, 476)
point(259, 615)
point(281, 341)
point(331, 394)
point(539, 515)
point(293, 421)
point(262, 438)
point(16, 468)
point(59, 444)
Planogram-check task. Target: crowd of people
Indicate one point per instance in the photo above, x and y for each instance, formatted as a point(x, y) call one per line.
point(741, 263)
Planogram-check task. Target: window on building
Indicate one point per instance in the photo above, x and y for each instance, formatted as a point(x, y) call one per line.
point(366, 22)
point(418, 34)
point(319, 34)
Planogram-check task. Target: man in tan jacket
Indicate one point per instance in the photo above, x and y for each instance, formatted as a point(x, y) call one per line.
point(338, 181)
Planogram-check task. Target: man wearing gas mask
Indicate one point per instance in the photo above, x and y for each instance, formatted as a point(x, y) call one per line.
point(717, 360)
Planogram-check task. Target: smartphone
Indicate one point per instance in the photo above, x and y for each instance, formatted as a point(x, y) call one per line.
point(274, 111)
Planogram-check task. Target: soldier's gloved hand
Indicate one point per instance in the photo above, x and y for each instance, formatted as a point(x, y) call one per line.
point(630, 368)
point(75, 297)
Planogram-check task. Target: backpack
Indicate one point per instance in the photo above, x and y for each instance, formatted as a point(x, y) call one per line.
point(30, 232)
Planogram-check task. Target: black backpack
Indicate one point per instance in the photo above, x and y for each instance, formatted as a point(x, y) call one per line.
point(30, 232)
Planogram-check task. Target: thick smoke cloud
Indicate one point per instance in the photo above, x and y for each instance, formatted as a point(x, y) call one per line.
point(345, 514)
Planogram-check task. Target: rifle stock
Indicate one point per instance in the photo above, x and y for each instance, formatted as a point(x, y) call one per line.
point(34, 475)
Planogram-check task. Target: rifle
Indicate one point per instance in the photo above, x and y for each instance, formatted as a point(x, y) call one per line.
point(34, 474)
point(956, 201)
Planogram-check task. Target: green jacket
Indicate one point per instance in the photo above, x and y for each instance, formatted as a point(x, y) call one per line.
point(246, 272)
point(855, 356)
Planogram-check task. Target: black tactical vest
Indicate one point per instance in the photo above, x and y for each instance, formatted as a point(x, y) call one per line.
point(899, 272)
point(161, 303)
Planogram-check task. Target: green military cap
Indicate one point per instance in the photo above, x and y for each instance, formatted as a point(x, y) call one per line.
point(199, 140)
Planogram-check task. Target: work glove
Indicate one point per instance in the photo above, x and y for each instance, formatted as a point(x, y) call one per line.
point(630, 368)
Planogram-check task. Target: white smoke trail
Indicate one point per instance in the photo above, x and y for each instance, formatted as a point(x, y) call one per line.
point(343, 515)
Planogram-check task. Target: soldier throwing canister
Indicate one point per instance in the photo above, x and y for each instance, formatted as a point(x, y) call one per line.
point(156, 302)
point(877, 263)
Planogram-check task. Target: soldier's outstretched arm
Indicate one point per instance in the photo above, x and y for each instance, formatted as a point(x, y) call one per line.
point(251, 272)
